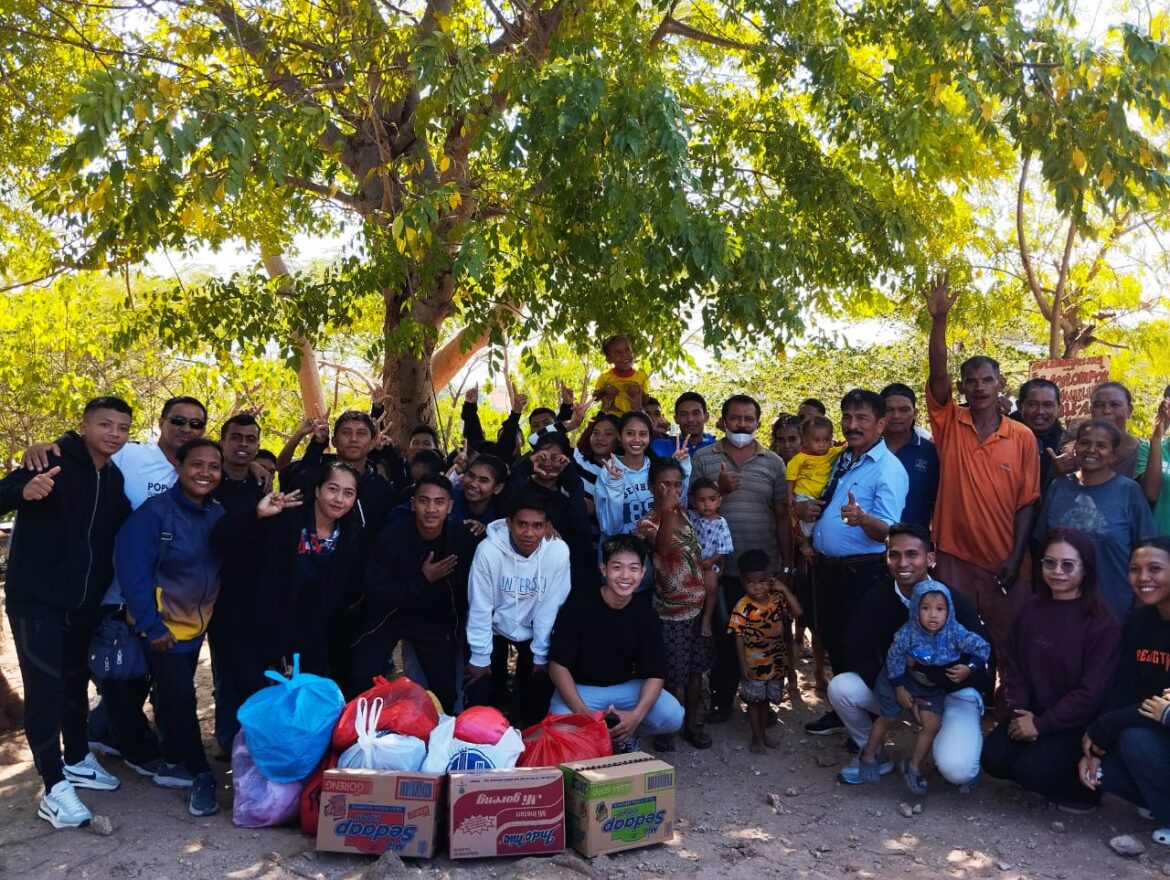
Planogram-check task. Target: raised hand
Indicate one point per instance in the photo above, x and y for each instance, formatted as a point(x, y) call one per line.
point(681, 453)
point(939, 297)
point(566, 394)
point(40, 486)
point(434, 570)
point(611, 466)
point(472, 395)
point(579, 410)
point(518, 401)
point(274, 502)
point(460, 463)
point(1162, 419)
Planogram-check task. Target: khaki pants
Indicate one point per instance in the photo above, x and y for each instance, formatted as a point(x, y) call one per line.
point(979, 585)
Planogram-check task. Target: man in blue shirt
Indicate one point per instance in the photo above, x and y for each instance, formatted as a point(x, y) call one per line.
point(864, 497)
point(914, 449)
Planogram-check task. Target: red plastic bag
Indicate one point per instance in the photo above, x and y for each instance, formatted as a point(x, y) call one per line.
point(406, 709)
point(311, 794)
point(562, 738)
point(481, 725)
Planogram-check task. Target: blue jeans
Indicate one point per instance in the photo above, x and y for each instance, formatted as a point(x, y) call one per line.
point(1137, 769)
point(665, 716)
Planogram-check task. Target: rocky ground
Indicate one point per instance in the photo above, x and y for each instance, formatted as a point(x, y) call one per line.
point(740, 816)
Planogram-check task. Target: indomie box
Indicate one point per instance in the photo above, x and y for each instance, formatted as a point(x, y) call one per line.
point(507, 812)
point(619, 802)
point(377, 811)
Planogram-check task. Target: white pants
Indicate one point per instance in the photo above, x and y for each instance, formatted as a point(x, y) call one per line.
point(960, 739)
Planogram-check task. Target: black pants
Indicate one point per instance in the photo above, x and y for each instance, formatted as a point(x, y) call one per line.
point(836, 590)
point(725, 671)
point(1047, 766)
point(53, 660)
point(437, 655)
point(527, 703)
point(236, 675)
point(175, 709)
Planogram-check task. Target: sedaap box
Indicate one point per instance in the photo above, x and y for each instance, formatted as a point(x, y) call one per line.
point(513, 812)
point(619, 802)
point(377, 811)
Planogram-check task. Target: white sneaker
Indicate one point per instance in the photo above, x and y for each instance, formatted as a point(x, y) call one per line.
point(61, 807)
point(88, 773)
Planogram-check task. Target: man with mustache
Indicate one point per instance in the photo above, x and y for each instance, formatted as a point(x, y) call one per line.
point(989, 480)
point(864, 497)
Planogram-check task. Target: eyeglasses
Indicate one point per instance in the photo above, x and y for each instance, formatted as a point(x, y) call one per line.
point(1067, 566)
point(180, 421)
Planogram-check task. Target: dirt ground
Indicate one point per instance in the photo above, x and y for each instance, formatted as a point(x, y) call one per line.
point(814, 827)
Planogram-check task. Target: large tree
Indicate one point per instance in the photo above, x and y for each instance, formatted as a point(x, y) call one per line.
point(569, 167)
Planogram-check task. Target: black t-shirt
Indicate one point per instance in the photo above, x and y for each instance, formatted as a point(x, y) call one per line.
point(604, 646)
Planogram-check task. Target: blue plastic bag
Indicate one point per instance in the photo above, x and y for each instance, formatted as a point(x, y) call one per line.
point(289, 725)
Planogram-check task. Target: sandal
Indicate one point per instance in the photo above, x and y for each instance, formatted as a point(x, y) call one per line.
point(698, 738)
point(914, 780)
point(664, 742)
point(1161, 836)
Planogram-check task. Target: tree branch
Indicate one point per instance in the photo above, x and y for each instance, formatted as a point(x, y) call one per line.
point(674, 26)
point(1025, 257)
point(1056, 322)
point(331, 193)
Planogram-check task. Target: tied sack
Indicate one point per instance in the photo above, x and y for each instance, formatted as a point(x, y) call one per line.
point(446, 752)
point(258, 802)
point(559, 739)
point(406, 709)
point(289, 724)
point(380, 751)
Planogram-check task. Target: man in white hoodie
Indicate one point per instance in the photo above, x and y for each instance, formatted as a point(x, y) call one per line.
point(519, 580)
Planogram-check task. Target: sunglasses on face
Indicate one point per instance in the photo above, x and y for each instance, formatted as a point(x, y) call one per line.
point(180, 421)
point(1067, 566)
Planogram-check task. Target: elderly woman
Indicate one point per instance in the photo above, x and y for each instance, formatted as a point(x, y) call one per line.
point(1112, 402)
point(1106, 506)
point(1055, 668)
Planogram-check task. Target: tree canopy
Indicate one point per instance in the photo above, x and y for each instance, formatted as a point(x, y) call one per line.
point(568, 169)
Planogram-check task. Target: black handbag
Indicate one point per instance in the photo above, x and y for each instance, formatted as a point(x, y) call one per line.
point(116, 652)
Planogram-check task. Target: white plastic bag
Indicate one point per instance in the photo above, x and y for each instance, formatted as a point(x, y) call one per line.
point(374, 751)
point(446, 753)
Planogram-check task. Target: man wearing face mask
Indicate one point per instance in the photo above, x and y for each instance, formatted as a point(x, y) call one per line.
point(754, 485)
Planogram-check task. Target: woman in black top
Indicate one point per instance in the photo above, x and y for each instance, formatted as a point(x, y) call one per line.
point(310, 570)
point(1127, 749)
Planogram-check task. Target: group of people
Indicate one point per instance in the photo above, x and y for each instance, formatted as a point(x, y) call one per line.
point(652, 573)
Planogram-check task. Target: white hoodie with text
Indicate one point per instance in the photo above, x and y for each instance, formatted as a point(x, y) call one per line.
point(514, 596)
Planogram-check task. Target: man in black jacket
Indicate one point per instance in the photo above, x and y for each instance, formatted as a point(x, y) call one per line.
point(416, 589)
point(880, 614)
point(60, 563)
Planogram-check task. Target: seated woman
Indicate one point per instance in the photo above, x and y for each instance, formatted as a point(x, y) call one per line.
point(1055, 668)
point(1127, 749)
point(1104, 504)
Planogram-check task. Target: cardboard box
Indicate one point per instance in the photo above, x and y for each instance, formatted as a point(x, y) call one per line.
point(377, 811)
point(619, 802)
point(517, 812)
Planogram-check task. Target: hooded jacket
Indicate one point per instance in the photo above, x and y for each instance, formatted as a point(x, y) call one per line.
point(167, 569)
point(61, 557)
point(515, 596)
point(951, 644)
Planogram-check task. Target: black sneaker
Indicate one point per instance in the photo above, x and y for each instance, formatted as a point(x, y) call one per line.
point(827, 723)
point(202, 802)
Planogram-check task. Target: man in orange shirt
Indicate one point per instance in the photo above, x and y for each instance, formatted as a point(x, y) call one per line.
point(989, 480)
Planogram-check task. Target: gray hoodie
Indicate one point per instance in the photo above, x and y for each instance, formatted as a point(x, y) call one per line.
point(514, 596)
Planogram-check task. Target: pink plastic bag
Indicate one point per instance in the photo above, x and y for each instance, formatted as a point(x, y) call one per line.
point(481, 725)
point(259, 802)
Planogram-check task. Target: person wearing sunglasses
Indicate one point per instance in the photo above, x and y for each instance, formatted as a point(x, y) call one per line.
point(1108, 507)
point(1055, 669)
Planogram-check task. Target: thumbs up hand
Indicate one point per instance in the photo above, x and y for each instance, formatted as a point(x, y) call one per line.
point(728, 480)
point(40, 486)
point(851, 512)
